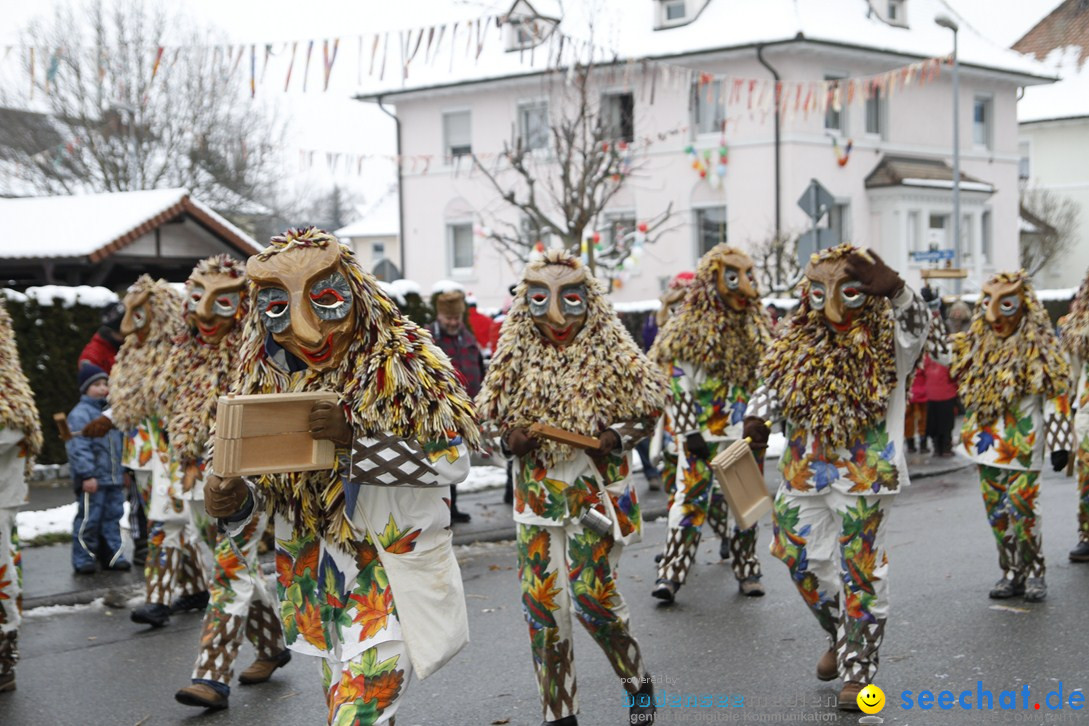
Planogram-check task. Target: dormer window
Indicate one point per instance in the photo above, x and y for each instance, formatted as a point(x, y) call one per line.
point(522, 33)
point(896, 13)
point(526, 27)
point(672, 12)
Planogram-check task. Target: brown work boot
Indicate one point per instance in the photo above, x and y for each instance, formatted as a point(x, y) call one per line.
point(261, 670)
point(848, 696)
point(750, 587)
point(827, 668)
point(201, 695)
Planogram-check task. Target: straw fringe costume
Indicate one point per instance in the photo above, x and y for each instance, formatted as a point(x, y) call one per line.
point(20, 442)
point(599, 380)
point(1074, 330)
point(1015, 390)
point(842, 398)
point(139, 402)
point(712, 352)
point(241, 603)
point(366, 575)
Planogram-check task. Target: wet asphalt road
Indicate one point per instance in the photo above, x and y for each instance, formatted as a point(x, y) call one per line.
point(93, 666)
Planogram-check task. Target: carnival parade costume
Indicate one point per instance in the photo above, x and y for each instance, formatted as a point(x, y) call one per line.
point(836, 375)
point(711, 348)
point(139, 406)
point(565, 360)
point(1013, 379)
point(241, 603)
point(20, 442)
point(366, 575)
point(1074, 330)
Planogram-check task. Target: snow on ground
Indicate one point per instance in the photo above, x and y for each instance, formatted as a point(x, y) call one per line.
point(34, 523)
point(49, 610)
point(484, 477)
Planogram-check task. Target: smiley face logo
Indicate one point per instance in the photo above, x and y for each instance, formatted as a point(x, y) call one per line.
point(871, 699)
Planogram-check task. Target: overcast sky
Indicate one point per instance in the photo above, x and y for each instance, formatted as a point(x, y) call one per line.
point(333, 122)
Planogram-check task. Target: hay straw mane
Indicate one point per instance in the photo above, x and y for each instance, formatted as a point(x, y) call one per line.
point(139, 384)
point(834, 385)
point(17, 409)
point(599, 379)
point(201, 372)
point(993, 373)
point(392, 378)
point(706, 332)
point(1074, 330)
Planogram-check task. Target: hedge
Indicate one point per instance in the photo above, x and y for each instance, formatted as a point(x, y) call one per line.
point(50, 339)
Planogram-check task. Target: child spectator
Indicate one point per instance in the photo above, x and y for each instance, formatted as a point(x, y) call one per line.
point(98, 479)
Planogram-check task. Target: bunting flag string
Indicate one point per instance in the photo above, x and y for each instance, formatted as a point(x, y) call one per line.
point(468, 40)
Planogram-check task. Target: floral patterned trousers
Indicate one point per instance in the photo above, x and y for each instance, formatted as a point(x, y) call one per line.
point(367, 689)
point(11, 587)
point(174, 565)
point(694, 499)
point(565, 569)
point(834, 546)
point(1011, 498)
point(241, 605)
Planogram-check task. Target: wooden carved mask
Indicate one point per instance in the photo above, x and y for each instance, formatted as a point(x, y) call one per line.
point(1004, 306)
point(556, 295)
point(137, 320)
point(835, 294)
point(305, 302)
point(212, 303)
point(736, 283)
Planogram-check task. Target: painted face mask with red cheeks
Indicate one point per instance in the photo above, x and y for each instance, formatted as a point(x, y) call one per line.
point(736, 283)
point(305, 302)
point(137, 319)
point(838, 297)
point(211, 305)
point(557, 300)
point(1003, 306)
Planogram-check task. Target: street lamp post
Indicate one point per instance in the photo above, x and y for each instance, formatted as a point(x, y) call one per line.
point(947, 22)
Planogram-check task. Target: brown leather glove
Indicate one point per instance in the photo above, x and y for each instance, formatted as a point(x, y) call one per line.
point(190, 474)
point(607, 443)
point(520, 442)
point(224, 497)
point(875, 278)
point(97, 428)
point(757, 431)
point(327, 421)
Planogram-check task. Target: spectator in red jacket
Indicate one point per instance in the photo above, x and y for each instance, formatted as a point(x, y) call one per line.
point(102, 349)
point(941, 392)
point(480, 323)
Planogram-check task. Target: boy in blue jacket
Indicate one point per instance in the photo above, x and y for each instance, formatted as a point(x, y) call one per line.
point(98, 479)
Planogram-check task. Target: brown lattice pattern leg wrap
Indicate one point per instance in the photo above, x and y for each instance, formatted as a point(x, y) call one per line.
point(219, 642)
point(556, 681)
point(263, 630)
point(857, 644)
point(161, 573)
point(191, 575)
point(743, 553)
point(9, 651)
point(679, 554)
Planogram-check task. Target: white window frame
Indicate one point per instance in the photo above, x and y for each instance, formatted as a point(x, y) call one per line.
point(610, 217)
point(459, 272)
point(608, 97)
point(842, 208)
point(524, 32)
point(842, 129)
point(447, 148)
point(882, 111)
point(664, 21)
point(1024, 160)
point(525, 105)
point(378, 251)
point(699, 98)
point(986, 236)
point(988, 120)
point(697, 227)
